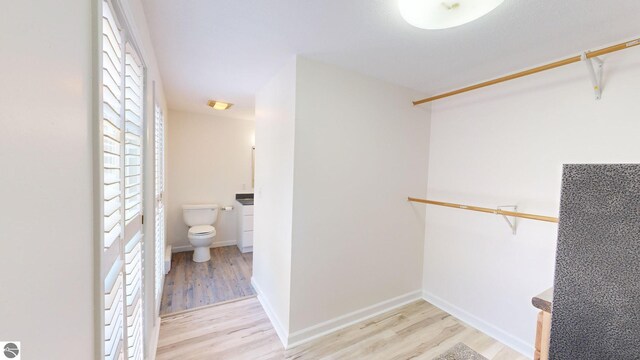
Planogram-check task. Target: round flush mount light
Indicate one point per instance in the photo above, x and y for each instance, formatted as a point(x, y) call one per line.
point(439, 14)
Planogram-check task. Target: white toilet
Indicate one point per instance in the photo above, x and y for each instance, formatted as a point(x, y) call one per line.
point(200, 219)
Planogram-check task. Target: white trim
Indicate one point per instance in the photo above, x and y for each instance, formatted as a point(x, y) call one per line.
point(183, 248)
point(489, 329)
point(153, 342)
point(167, 263)
point(224, 243)
point(313, 332)
point(268, 309)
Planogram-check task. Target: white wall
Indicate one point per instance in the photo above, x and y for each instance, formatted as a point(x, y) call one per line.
point(360, 149)
point(46, 223)
point(209, 162)
point(506, 145)
point(275, 130)
point(46, 219)
point(335, 238)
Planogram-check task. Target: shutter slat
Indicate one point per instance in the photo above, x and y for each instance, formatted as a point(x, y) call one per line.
point(133, 93)
point(112, 84)
point(132, 117)
point(111, 190)
point(132, 139)
point(132, 180)
point(112, 236)
point(111, 176)
point(110, 131)
point(133, 128)
point(134, 80)
point(111, 206)
point(108, 99)
point(133, 64)
point(111, 221)
point(111, 120)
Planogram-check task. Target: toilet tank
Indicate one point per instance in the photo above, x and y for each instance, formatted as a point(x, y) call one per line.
point(206, 214)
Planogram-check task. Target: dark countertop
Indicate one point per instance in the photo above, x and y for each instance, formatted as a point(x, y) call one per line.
point(245, 199)
point(544, 301)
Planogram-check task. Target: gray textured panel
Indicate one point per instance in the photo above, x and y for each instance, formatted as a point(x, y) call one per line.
point(596, 304)
point(460, 352)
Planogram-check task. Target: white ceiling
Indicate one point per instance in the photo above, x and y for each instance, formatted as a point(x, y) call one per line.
point(227, 49)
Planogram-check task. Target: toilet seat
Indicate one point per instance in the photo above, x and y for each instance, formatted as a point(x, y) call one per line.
point(202, 230)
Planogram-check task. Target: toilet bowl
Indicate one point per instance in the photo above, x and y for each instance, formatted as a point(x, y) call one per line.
point(201, 238)
point(200, 219)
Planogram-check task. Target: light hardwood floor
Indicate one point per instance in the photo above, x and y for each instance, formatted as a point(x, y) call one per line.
point(191, 285)
point(241, 330)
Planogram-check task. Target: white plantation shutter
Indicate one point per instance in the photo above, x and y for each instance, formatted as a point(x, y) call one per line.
point(133, 288)
point(159, 191)
point(133, 135)
point(123, 240)
point(133, 199)
point(112, 269)
point(113, 317)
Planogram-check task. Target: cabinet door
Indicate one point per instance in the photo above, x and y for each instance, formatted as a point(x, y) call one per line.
point(247, 239)
point(247, 210)
point(247, 223)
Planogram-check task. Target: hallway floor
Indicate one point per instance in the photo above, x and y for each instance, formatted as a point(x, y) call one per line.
point(189, 285)
point(241, 330)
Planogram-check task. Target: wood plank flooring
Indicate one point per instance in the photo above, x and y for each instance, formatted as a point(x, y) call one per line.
point(241, 330)
point(191, 285)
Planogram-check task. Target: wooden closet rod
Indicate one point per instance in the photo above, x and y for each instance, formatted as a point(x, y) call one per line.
point(487, 210)
point(535, 70)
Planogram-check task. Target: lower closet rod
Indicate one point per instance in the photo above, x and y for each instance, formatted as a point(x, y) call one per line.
point(487, 210)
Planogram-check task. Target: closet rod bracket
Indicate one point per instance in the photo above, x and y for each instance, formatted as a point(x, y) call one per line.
point(595, 72)
point(511, 220)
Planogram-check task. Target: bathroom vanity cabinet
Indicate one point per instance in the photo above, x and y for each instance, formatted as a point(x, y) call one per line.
point(245, 224)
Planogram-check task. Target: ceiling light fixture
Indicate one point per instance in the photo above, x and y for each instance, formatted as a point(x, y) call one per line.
point(219, 105)
point(439, 14)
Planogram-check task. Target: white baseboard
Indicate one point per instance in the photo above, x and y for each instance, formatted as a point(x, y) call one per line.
point(313, 332)
point(224, 243)
point(268, 309)
point(183, 248)
point(511, 341)
point(153, 341)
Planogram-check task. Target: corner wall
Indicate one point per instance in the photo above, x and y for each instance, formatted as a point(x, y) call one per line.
point(273, 210)
point(506, 145)
point(335, 240)
point(361, 148)
point(209, 162)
